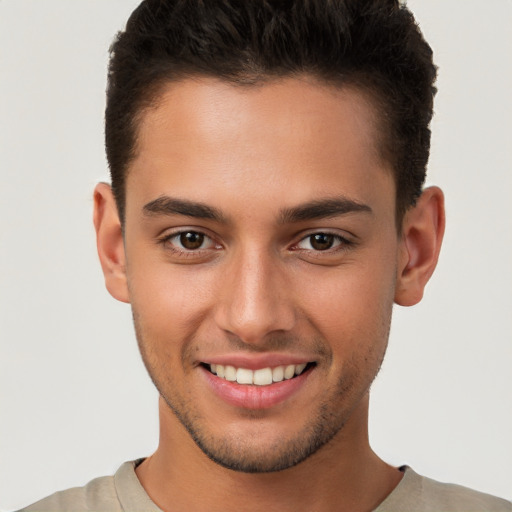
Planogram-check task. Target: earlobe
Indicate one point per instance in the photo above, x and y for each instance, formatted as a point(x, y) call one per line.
point(109, 240)
point(422, 235)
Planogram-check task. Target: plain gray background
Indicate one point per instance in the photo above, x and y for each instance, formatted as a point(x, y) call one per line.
point(75, 401)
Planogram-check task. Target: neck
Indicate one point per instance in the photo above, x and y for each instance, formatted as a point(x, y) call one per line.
point(345, 474)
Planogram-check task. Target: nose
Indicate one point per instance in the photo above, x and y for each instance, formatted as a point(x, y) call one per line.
point(255, 298)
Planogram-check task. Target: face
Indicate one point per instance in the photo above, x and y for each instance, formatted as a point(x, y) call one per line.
point(261, 259)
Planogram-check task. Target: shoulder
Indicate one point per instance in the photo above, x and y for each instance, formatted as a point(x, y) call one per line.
point(466, 499)
point(116, 493)
point(416, 493)
point(98, 494)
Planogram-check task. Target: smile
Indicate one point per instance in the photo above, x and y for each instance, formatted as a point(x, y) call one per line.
point(260, 377)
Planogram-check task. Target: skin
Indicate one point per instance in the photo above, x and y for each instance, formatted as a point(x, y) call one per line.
point(258, 286)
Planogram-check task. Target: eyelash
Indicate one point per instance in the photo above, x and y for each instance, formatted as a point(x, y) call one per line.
point(166, 242)
point(342, 243)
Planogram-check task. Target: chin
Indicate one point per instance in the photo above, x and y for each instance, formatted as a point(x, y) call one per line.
point(265, 450)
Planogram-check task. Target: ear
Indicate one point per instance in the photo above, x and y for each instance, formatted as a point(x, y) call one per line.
point(422, 234)
point(109, 240)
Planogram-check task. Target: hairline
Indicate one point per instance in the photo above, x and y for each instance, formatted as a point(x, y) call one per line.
point(155, 93)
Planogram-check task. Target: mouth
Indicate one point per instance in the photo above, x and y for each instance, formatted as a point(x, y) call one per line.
point(253, 384)
point(260, 377)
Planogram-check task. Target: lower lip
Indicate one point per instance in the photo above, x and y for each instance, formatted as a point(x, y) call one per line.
point(252, 396)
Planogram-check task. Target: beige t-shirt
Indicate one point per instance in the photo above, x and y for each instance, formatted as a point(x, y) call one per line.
point(123, 492)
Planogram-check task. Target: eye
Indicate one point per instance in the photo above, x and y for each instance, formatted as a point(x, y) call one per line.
point(189, 241)
point(321, 242)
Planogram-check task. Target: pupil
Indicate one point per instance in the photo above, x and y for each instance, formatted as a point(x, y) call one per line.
point(322, 241)
point(191, 240)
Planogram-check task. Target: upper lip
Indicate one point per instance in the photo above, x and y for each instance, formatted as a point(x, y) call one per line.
point(257, 361)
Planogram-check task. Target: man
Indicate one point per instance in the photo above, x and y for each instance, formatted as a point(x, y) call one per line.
point(265, 213)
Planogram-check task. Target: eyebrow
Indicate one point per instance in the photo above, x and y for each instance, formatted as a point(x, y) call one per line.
point(166, 205)
point(322, 209)
point(317, 209)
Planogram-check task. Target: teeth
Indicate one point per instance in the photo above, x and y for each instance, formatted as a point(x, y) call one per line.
point(289, 371)
point(244, 376)
point(230, 373)
point(299, 368)
point(278, 374)
point(261, 377)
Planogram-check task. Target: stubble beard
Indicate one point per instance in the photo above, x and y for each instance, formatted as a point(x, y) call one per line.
point(236, 452)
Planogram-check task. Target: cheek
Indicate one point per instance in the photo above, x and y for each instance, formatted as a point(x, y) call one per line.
point(169, 300)
point(352, 307)
point(167, 308)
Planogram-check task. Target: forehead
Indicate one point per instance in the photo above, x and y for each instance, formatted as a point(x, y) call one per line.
point(206, 137)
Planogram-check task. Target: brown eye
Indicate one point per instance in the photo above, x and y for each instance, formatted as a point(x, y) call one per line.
point(192, 245)
point(191, 240)
point(318, 242)
point(321, 241)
